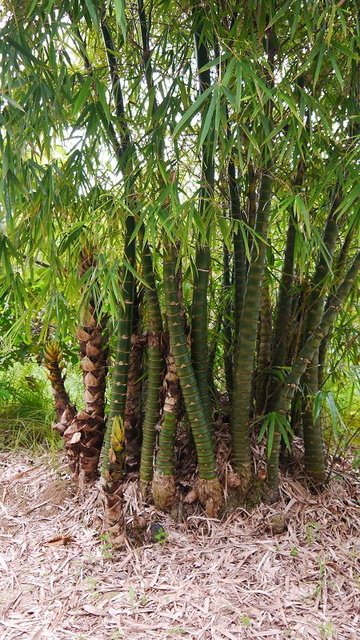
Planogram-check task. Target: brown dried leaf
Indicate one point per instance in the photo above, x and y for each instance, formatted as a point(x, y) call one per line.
point(60, 541)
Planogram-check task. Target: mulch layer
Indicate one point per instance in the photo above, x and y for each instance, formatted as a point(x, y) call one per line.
point(205, 580)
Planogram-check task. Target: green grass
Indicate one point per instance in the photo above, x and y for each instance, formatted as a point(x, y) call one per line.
point(26, 410)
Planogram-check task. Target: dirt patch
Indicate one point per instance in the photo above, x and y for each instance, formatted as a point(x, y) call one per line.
point(206, 580)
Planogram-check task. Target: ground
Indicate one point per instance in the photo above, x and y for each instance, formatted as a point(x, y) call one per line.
point(206, 580)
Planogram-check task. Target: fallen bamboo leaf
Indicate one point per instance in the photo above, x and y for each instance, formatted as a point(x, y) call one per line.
point(60, 541)
point(94, 610)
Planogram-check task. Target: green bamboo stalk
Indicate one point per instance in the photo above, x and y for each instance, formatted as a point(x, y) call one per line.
point(155, 368)
point(199, 313)
point(284, 302)
point(283, 307)
point(114, 455)
point(312, 320)
point(246, 344)
point(314, 457)
point(212, 355)
point(163, 486)
point(133, 407)
point(339, 270)
point(210, 493)
point(227, 329)
point(313, 443)
point(199, 328)
point(251, 212)
point(165, 456)
point(282, 317)
point(114, 440)
point(264, 350)
point(239, 249)
point(322, 273)
point(303, 360)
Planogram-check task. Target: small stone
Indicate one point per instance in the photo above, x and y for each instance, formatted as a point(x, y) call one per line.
point(276, 523)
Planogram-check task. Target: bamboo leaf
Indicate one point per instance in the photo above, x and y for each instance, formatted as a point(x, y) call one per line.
point(335, 417)
point(284, 435)
point(92, 12)
point(102, 98)
point(14, 103)
point(209, 116)
point(135, 273)
point(319, 64)
point(317, 405)
point(335, 66)
point(24, 50)
point(119, 6)
point(302, 213)
point(215, 61)
point(191, 111)
point(283, 9)
point(82, 96)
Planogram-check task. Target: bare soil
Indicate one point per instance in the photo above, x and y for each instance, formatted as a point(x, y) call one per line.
point(208, 580)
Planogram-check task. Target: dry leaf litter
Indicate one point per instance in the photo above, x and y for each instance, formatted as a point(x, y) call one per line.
point(238, 579)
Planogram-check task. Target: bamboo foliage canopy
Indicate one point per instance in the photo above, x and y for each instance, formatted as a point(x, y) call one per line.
point(217, 141)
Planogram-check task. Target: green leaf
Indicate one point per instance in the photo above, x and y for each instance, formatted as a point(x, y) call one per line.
point(14, 103)
point(301, 211)
point(119, 6)
point(318, 64)
point(283, 9)
point(135, 273)
point(191, 111)
point(102, 98)
point(23, 49)
point(263, 428)
point(209, 116)
point(215, 62)
point(335, 66)
point(335, 417)
point(284, 434)
point(82, 96)
point(71, 237)
point(317, 405)
point(92, 12)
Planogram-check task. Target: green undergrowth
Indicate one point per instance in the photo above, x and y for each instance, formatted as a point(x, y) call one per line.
point(26, 410)
point(340, 413)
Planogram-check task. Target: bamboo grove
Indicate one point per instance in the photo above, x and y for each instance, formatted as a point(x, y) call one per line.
point(180, 199)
